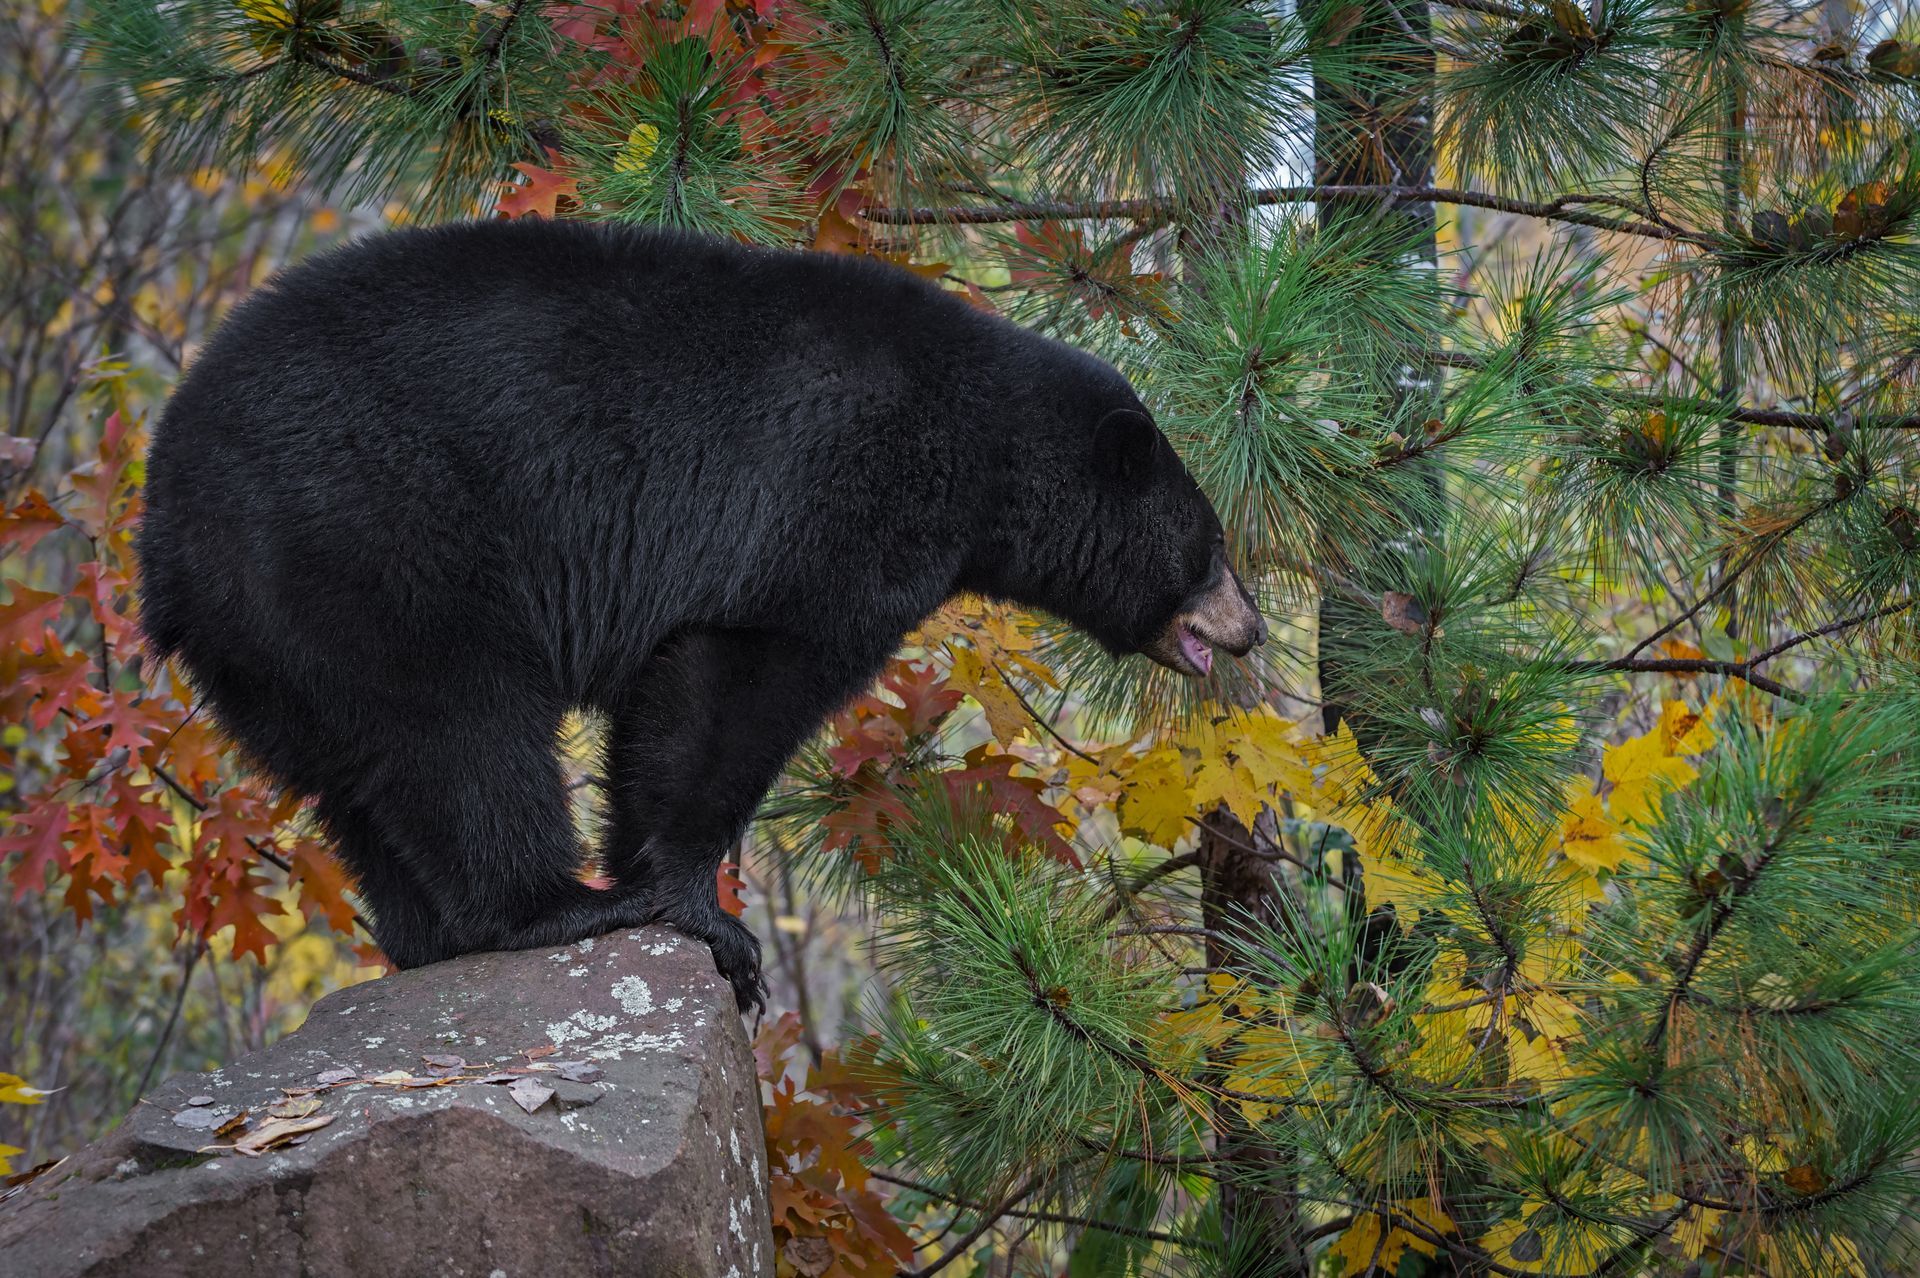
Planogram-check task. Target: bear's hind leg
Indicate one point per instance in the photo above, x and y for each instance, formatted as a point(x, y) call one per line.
point(402, 915)
point(476, 813)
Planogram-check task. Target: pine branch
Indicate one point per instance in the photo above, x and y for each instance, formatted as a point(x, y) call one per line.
point(489, 50)
point(988, 1219)
point(1783, 419)
point(1743, 874)
point(1742, 670)
point(1727, 582)
point(1049, 1217)
point(1828, 629)
point(1557, 209)
point(1491, 8)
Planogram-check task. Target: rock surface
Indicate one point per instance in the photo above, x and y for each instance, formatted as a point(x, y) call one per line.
point(646, 1159)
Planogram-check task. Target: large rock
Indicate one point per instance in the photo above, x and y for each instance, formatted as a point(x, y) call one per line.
point(646, 1159)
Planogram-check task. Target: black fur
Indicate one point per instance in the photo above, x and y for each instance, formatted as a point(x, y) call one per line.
point(422, 495)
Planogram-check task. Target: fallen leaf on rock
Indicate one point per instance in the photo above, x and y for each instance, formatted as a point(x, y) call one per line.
point(278, 1132)
point(535, 1053)
point(203, 1119)
point(232, 1125)
point(294, 1108)
point(392, 1077)
point(332, 1076)
point(529, 1093)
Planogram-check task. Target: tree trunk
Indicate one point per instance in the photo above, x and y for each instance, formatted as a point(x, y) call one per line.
point(1376, 132)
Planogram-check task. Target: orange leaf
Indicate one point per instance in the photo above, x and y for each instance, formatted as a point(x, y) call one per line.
point(43, 844)
point(24, 620)
point(729, 883)
point(539, 195)
point(22, 527)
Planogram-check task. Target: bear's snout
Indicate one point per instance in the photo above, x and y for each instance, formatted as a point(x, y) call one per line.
point(1220, 615)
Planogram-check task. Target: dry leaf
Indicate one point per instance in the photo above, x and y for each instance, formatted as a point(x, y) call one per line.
point(1403, 612)
point(294, 1108)
point(278, 1132)
point(530, 1093)
point(201, 1119)
point(332, 1076)
point(1805, 1179)
point(232, 1125)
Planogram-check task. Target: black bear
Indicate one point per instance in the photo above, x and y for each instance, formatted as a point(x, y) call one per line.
point(422, 495)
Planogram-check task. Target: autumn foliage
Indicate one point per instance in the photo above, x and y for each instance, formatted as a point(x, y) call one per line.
point(1539, 902)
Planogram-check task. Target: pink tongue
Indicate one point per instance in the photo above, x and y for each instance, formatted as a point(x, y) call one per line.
point(1196, 650)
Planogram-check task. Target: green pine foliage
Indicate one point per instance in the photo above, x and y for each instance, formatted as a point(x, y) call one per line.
point(1529, 969)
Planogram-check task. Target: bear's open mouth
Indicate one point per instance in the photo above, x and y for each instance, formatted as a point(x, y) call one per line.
point(1197, 651)
point(1220, 615)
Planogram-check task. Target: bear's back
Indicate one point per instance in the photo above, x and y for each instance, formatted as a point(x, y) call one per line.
point(464, 399)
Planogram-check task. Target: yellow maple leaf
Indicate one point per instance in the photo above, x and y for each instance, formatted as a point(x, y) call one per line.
point(1550, 1241)
point(1156, 801)
point(1588, 835)
point(1684, 730)
point(1831, 1255)
point(1362, 1242)
point(1006, 717)
point(1271, 1061)
point(1641, 771)
point(1219, 780)
point(1097, 780)
point(1271, 749)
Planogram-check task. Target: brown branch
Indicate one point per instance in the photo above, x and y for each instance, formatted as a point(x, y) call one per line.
point(489, 49)
point(1783, 419)
point(1829, 628)
point(989, 1218)
point(1161, 208)
point(1049, 1217)
point(1741, 670)
point(1765, 543)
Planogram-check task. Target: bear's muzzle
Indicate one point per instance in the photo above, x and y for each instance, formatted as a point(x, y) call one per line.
point(1221, 614)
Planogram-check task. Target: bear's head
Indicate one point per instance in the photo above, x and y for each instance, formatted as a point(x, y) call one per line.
point(1171, 593)
point(1105, 528)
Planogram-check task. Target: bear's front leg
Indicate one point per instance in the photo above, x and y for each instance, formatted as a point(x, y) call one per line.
point(702, 735)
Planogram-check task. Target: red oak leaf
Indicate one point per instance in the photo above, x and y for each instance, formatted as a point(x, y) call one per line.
point(539, 195)
point(42, 842)
point(22, 527)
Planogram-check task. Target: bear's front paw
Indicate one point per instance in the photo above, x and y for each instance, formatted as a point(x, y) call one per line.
point(736, 952)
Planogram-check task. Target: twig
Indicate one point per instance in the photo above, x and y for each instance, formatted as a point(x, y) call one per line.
point(173, 1018)
point(1160, 207)
point(1049, 1217)
point(1830, 628)
point(988, 1218)
point(1741, 670)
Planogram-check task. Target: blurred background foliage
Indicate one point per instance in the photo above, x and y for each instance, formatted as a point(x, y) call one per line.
point(1541, 901)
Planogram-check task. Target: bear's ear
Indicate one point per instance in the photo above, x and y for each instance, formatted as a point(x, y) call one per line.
point(1124, 443)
